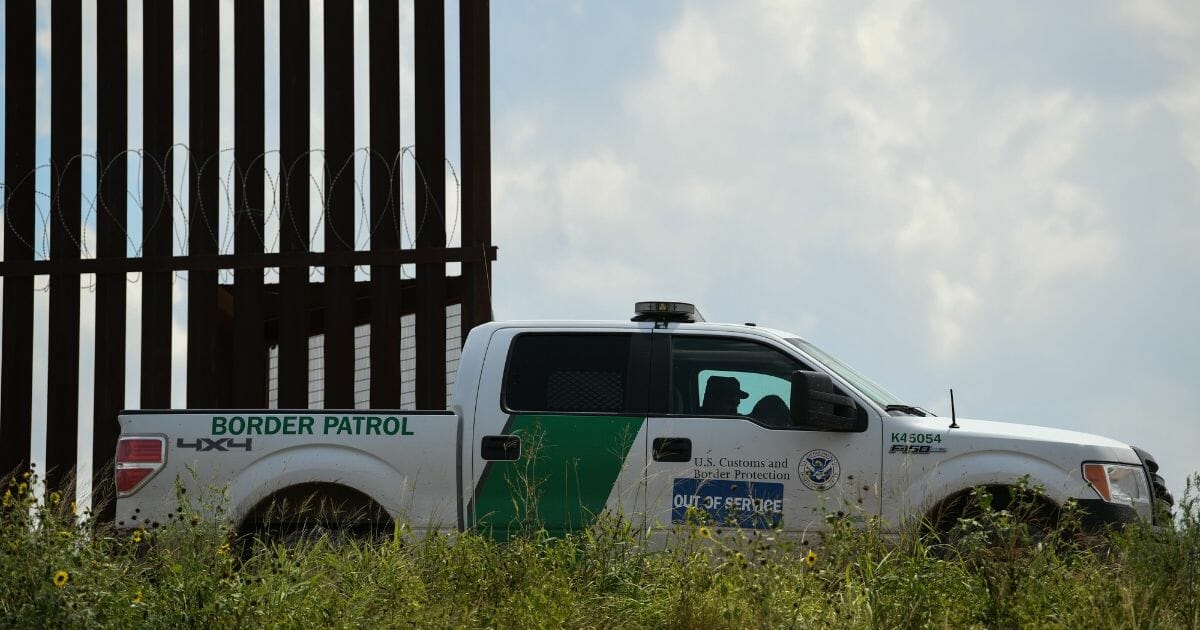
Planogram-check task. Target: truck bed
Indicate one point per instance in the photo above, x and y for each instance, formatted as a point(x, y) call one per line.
point(227, 462)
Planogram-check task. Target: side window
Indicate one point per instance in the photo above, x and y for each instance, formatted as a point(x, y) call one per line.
point(715, 376)
point(568, 372)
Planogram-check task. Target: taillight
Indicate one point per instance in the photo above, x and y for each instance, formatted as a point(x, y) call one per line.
point(140, 451)
point(130, 478)
point(138, 458)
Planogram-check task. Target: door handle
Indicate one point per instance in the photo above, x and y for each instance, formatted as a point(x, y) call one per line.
point(672, 449)
point(500, 447)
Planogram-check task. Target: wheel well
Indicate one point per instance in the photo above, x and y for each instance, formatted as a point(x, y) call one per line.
point(319, 504)
point(945, 514)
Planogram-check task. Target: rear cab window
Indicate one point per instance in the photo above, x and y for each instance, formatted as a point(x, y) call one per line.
point(575, 373)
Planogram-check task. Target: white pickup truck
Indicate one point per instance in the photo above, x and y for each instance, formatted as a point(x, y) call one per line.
point(659, 419)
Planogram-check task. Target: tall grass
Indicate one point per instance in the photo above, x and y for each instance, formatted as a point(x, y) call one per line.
point(63, 570)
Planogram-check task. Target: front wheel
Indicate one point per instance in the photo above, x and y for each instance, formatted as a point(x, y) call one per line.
point(1001, 521)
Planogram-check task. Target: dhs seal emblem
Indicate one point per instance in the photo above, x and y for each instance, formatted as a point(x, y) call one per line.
point(819, 469)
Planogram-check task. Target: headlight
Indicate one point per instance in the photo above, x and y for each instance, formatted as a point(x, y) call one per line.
point(1123, 484)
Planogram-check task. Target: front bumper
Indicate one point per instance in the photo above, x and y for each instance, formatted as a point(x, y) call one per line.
point(1161, 498)
point(1097, 515)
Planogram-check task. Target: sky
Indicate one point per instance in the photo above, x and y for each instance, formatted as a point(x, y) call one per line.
point(1002, 199)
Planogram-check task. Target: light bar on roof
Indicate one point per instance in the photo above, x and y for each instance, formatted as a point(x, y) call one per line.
point(666, 311)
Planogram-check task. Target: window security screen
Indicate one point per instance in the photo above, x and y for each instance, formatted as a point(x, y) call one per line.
point(567, 373)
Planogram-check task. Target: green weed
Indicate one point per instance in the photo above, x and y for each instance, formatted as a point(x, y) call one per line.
point(61, 569)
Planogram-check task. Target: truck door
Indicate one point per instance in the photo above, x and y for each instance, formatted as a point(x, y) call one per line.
point(726, 451)
point(559, 431)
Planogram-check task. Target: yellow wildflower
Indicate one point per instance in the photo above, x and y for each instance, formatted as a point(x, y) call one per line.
point(741, 559)
point(137, 599)
point(64, 535)
point(21, 488)
point(705, 533)
point(7, 497)
point(55, 498)
point(61, 577)
point(224, 549)
point(26, 475)
point(73, 513)
point(810, 558)
point(137, 536)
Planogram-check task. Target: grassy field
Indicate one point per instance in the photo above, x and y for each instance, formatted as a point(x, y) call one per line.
point(61, 571)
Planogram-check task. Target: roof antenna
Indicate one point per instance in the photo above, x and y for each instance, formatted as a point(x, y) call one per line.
point(953, 417)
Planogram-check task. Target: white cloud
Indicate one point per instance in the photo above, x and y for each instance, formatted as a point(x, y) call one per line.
point(1070, 239)
point(793, 27)
point(41, 354)
point(41, 82)
point(704, 197)
point(935, 215)
point(1178, 18)
point(1172, 26)
point(691, 53)
point(1056, 130)
point(179, 336)
point(43, 33)
point(1184, 102)
point(884, 40)
point(599, 187)
point(691, 60)
point(954, 305)
point(582, 279)
point(90, 82)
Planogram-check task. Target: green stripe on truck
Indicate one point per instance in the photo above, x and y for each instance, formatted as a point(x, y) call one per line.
point(568, 467)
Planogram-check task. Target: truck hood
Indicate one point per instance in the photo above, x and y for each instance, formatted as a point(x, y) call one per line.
point(1035, 437)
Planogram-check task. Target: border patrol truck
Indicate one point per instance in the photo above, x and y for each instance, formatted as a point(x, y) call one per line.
point(659, 419)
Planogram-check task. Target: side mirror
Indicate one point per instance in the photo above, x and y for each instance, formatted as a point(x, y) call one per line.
point(816, 402)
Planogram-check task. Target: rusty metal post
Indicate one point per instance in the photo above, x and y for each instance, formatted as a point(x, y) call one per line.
point(16, 355)
point(66, 132)
point(475, 108)
point(293, 214)
point(429, 25)
point(112, 52)
point(339, 202)
point(157, 202)
point(249, 368)
point(203, 219)
point(385, 202)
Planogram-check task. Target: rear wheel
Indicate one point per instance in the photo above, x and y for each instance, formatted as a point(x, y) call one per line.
point(308, 512)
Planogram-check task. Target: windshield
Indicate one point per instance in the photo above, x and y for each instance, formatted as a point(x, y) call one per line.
point(864, 385)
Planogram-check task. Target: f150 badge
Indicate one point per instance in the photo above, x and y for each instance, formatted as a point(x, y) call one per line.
point(916, 449)
point(819, 469)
